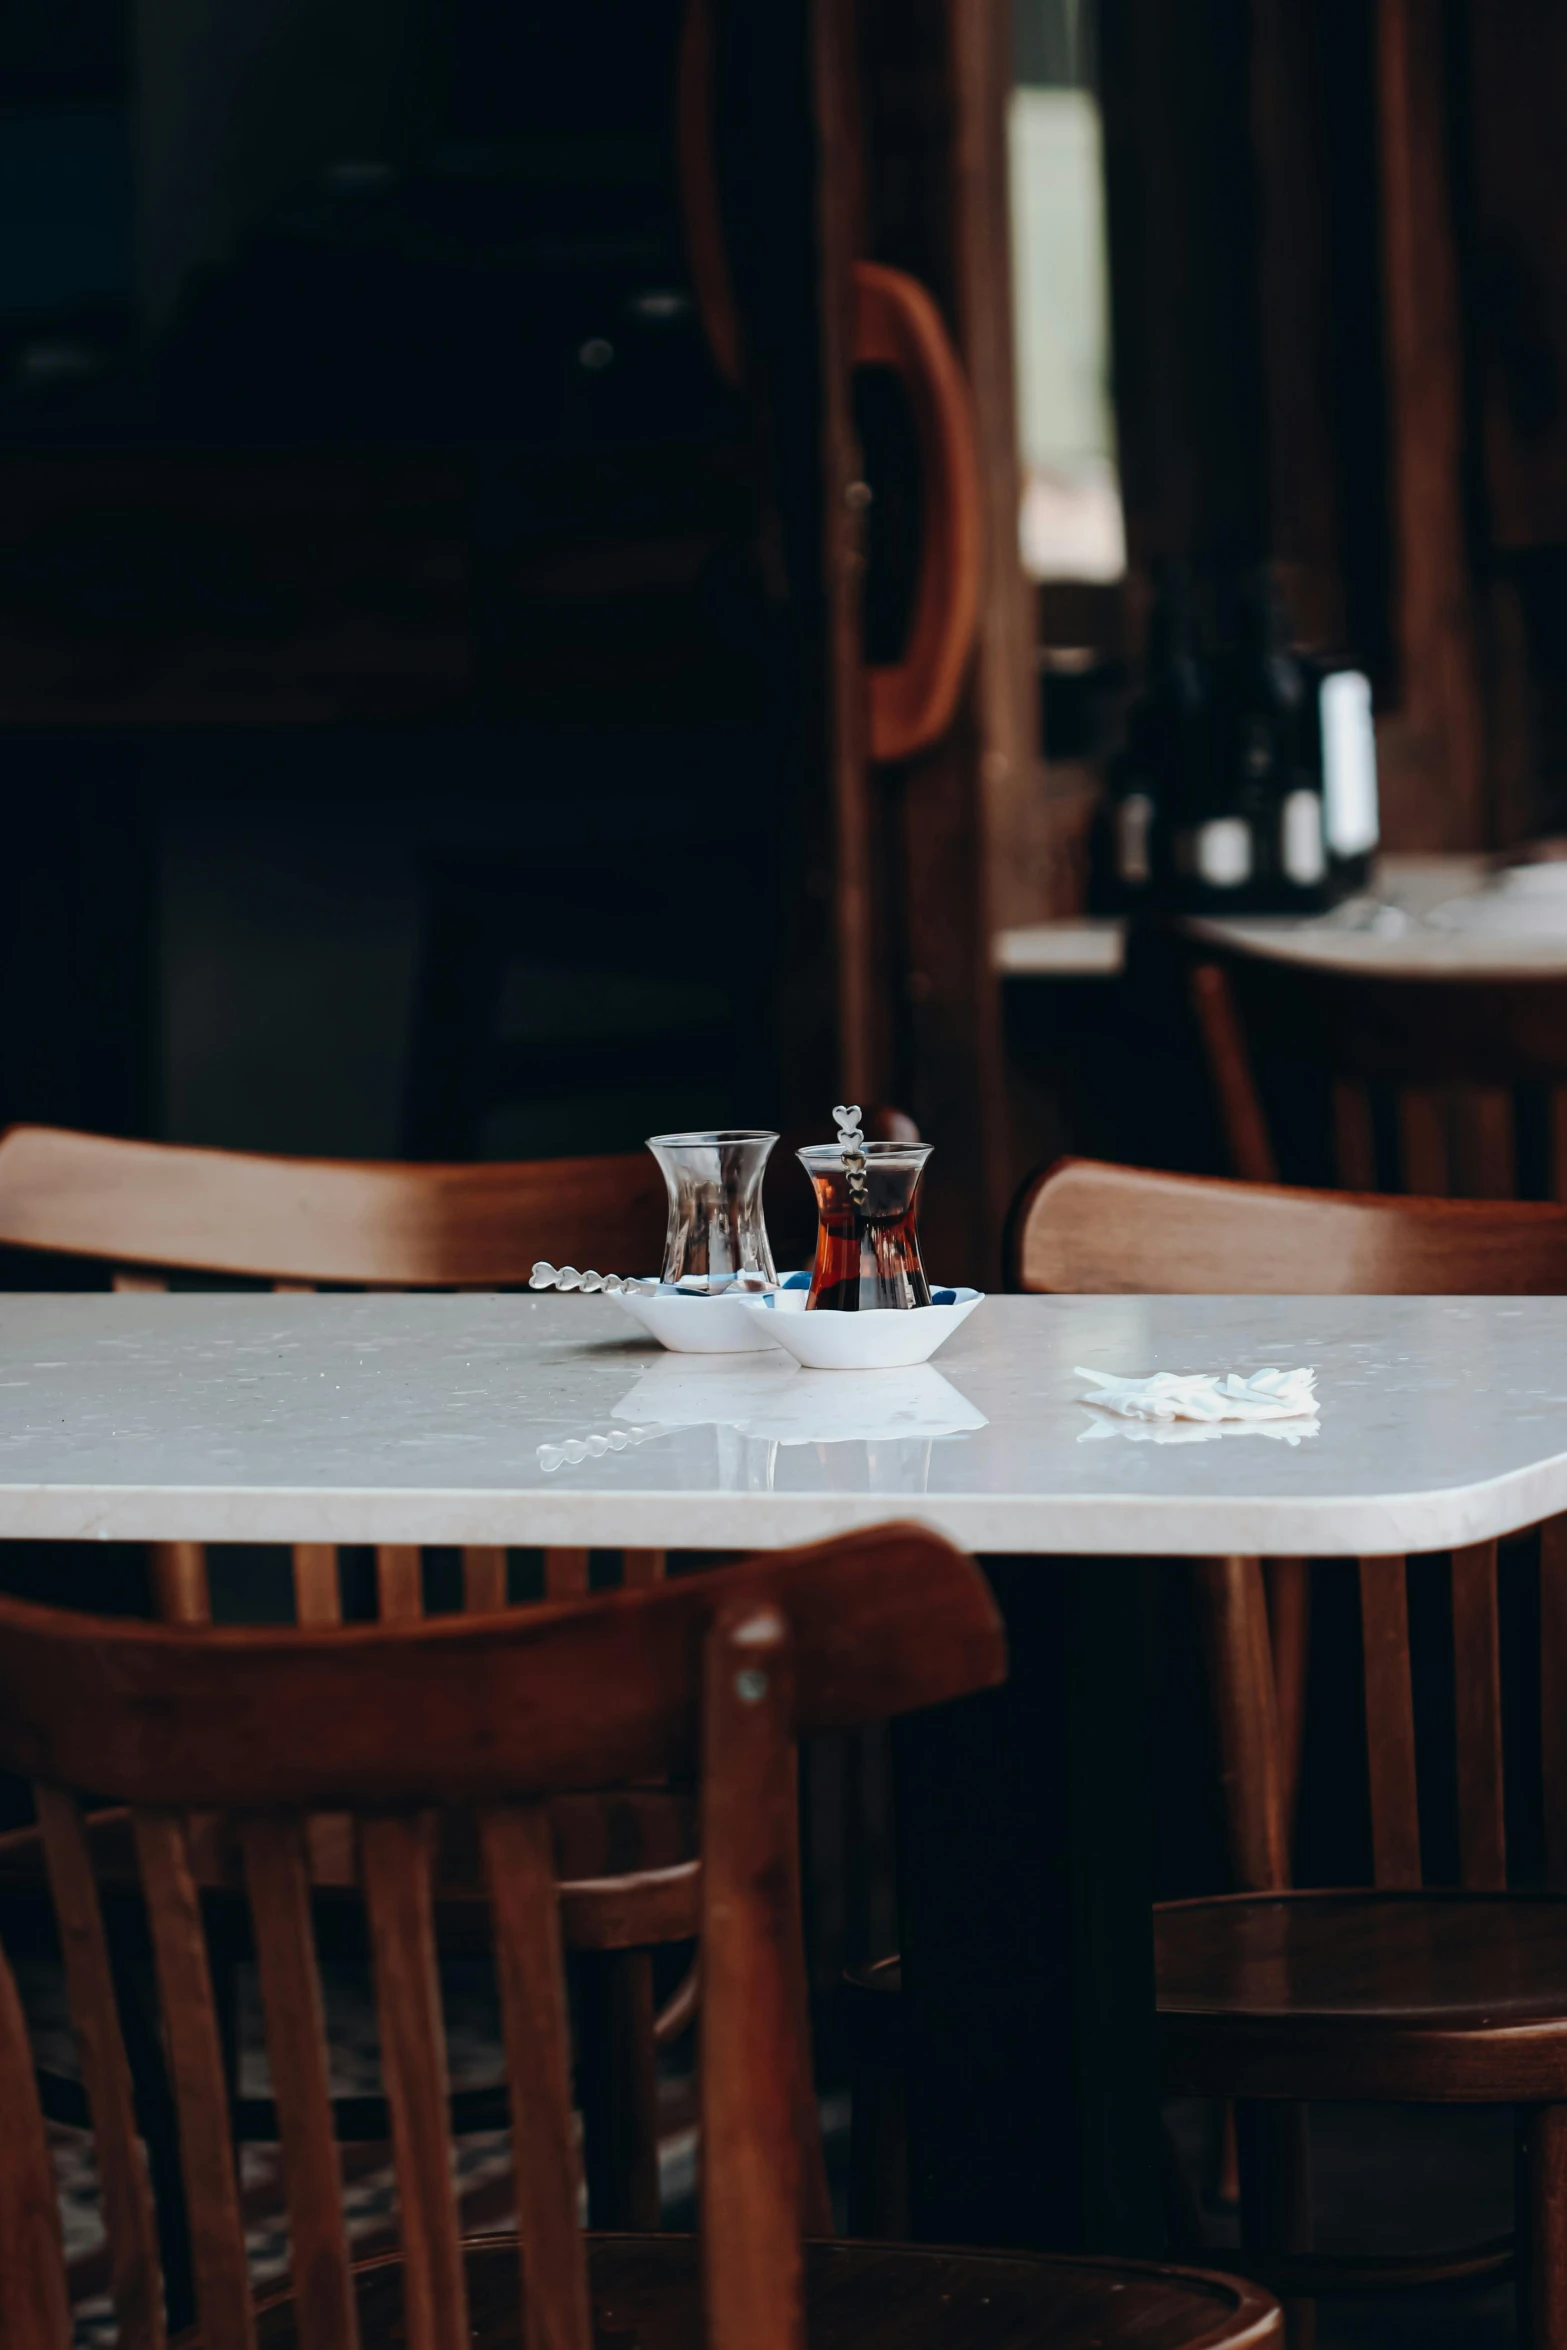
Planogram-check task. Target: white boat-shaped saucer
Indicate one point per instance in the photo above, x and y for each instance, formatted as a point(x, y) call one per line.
point(689, 1323)
point(885, 1341)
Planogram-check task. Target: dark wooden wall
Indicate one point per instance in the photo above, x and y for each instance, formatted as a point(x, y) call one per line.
point(420, 514)
point(1339, 291)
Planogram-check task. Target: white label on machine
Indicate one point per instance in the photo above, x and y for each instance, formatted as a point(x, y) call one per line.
point(1305, 858)
point(1224, 852)
point(1349, 764)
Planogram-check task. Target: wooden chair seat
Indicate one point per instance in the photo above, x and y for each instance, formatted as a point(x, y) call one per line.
point(1435, 1996)
point(646, 2291)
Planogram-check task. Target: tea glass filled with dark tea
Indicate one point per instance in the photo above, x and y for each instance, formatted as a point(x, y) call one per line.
point(867, 1248)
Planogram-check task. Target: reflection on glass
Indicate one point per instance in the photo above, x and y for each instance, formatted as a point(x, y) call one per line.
point(763, 1425)
point(803, 1407)
point(592, 1446)
point(1071, 524)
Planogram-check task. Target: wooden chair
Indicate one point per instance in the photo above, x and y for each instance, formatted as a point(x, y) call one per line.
point(718, 1675)
point(1082, 1225)
point(1434, 1082)
point(1400, 1993)
point(158, 1207)
point(146, 1210)
point(1272, 1998)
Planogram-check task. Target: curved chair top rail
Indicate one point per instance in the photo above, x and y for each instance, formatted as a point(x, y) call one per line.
point(569, 1695)
point(1085, 1226)
point(383, 1223)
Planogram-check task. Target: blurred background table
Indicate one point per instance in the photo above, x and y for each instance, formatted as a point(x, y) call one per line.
point(1242, 1069)
point(1093, 946)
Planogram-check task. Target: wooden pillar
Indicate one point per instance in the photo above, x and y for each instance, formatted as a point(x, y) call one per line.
point(840, 235)
point(1290, 148)
point(966, 826)
point(1433, 750)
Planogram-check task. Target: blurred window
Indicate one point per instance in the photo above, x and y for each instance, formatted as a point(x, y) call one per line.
point(1071, 523)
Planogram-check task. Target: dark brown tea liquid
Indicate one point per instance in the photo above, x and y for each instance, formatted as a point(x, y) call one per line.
point(867, 1254)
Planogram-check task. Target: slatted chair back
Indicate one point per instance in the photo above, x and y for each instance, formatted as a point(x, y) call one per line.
point(718, 1676)
point(1448, 1058)
point(1081, 1225)
point(144, 1210)
point(372, 1224)
point(1253, 1752)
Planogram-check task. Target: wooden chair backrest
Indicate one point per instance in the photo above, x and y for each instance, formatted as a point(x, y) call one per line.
point(718, 1675)
point(1450, 1050)
point(371, 1223)
point(1082, 1225)
point(297, 1222)
point(302, 1221)
point(1254, 1751)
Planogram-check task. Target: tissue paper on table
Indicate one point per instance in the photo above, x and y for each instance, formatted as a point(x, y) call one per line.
point(1210, 1396)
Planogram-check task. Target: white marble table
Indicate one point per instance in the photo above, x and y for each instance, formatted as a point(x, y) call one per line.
point(1024, 1865)
point(525, 1420)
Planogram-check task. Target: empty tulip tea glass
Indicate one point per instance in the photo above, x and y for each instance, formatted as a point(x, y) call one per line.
point(717, 1236)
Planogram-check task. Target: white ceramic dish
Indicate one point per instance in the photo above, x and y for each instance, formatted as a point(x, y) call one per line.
point(888, 1341)
point(695, 1325)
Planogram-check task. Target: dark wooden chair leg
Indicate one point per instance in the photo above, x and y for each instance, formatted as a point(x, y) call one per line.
point(1241, 1113)
point(225, 1998)
point(879, 2153)
point(617, 2073)
point(1221, 2177)
point(155, 2115)
point(1289, 1626)
point(1542, 2227)
point(1273, 2140)
point(1182, 2216)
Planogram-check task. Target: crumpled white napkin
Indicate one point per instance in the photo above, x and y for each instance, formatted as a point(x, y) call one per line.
point(1209, 1396)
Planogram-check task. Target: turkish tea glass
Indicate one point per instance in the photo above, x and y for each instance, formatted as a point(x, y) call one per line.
point(716, 1232)
point(867, 1250)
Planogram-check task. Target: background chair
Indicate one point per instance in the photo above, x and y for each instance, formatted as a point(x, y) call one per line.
point(137, 1214)
point(719, 1674)
point(1275, 1999)
point(140, 1212)
point(1086, 1226)
point(1440, 1085)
